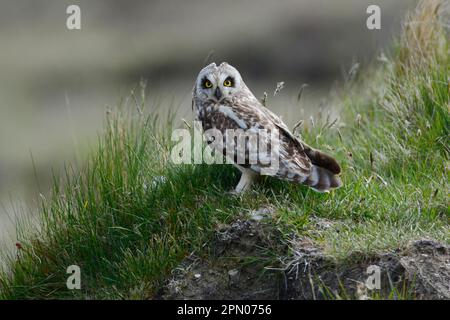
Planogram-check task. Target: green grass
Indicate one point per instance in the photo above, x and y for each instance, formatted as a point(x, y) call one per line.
point(128, 232)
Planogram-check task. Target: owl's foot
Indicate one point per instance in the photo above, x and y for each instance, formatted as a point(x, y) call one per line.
point(234, 193)
point(246, 181)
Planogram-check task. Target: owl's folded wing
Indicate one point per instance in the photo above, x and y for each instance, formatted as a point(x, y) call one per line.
point(293, 162)
point(298, 161)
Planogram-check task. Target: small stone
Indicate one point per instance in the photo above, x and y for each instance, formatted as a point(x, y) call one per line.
point(234, 276)
point(197, 276)
point(261, 213)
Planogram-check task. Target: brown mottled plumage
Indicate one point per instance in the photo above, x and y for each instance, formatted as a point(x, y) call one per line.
point(222, 101)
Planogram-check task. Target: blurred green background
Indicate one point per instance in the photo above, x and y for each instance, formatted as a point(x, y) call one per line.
point(55, 83)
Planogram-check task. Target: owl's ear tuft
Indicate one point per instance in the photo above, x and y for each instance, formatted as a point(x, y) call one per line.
point(223, 64)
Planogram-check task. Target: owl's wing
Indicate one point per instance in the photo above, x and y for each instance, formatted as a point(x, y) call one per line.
point(298, 161)
point(317, 157)
point(281, 126)
point(294, 163)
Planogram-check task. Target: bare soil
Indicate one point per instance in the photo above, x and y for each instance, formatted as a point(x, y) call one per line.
point(249, 260)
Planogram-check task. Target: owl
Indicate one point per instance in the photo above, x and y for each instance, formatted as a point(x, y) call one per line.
point(223, 102)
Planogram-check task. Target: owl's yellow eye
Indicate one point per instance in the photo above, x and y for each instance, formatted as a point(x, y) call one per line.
point(207, 84)
point(227, 83)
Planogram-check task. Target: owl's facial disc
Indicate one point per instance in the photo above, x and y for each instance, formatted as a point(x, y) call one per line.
point(218, 83)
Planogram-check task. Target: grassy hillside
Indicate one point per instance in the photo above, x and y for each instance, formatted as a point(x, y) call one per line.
point(127, 227)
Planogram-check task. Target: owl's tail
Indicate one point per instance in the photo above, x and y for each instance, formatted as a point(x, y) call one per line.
point(324, 171)
point(322, 180)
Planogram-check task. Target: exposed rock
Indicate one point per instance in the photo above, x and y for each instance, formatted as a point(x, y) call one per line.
point(421, 271)
point(429, 262)
point(248, 260)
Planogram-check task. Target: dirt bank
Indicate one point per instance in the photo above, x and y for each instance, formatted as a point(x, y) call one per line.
point(248, 260)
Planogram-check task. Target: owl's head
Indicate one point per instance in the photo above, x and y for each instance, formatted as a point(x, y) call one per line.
point(216, 83)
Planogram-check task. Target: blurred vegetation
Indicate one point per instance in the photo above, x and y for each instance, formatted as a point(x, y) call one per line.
point(56, 83)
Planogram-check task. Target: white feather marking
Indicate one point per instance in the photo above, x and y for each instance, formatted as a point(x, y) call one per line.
point(320, 191)
point(326, 180)
point(227, 111)
point(314, 176)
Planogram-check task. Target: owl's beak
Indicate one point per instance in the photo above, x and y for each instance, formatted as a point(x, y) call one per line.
point(218, 94)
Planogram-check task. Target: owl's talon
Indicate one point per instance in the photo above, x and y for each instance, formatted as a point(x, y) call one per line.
point(234, 192)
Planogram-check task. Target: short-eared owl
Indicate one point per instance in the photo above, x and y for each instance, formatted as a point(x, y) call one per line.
point(223, 102)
